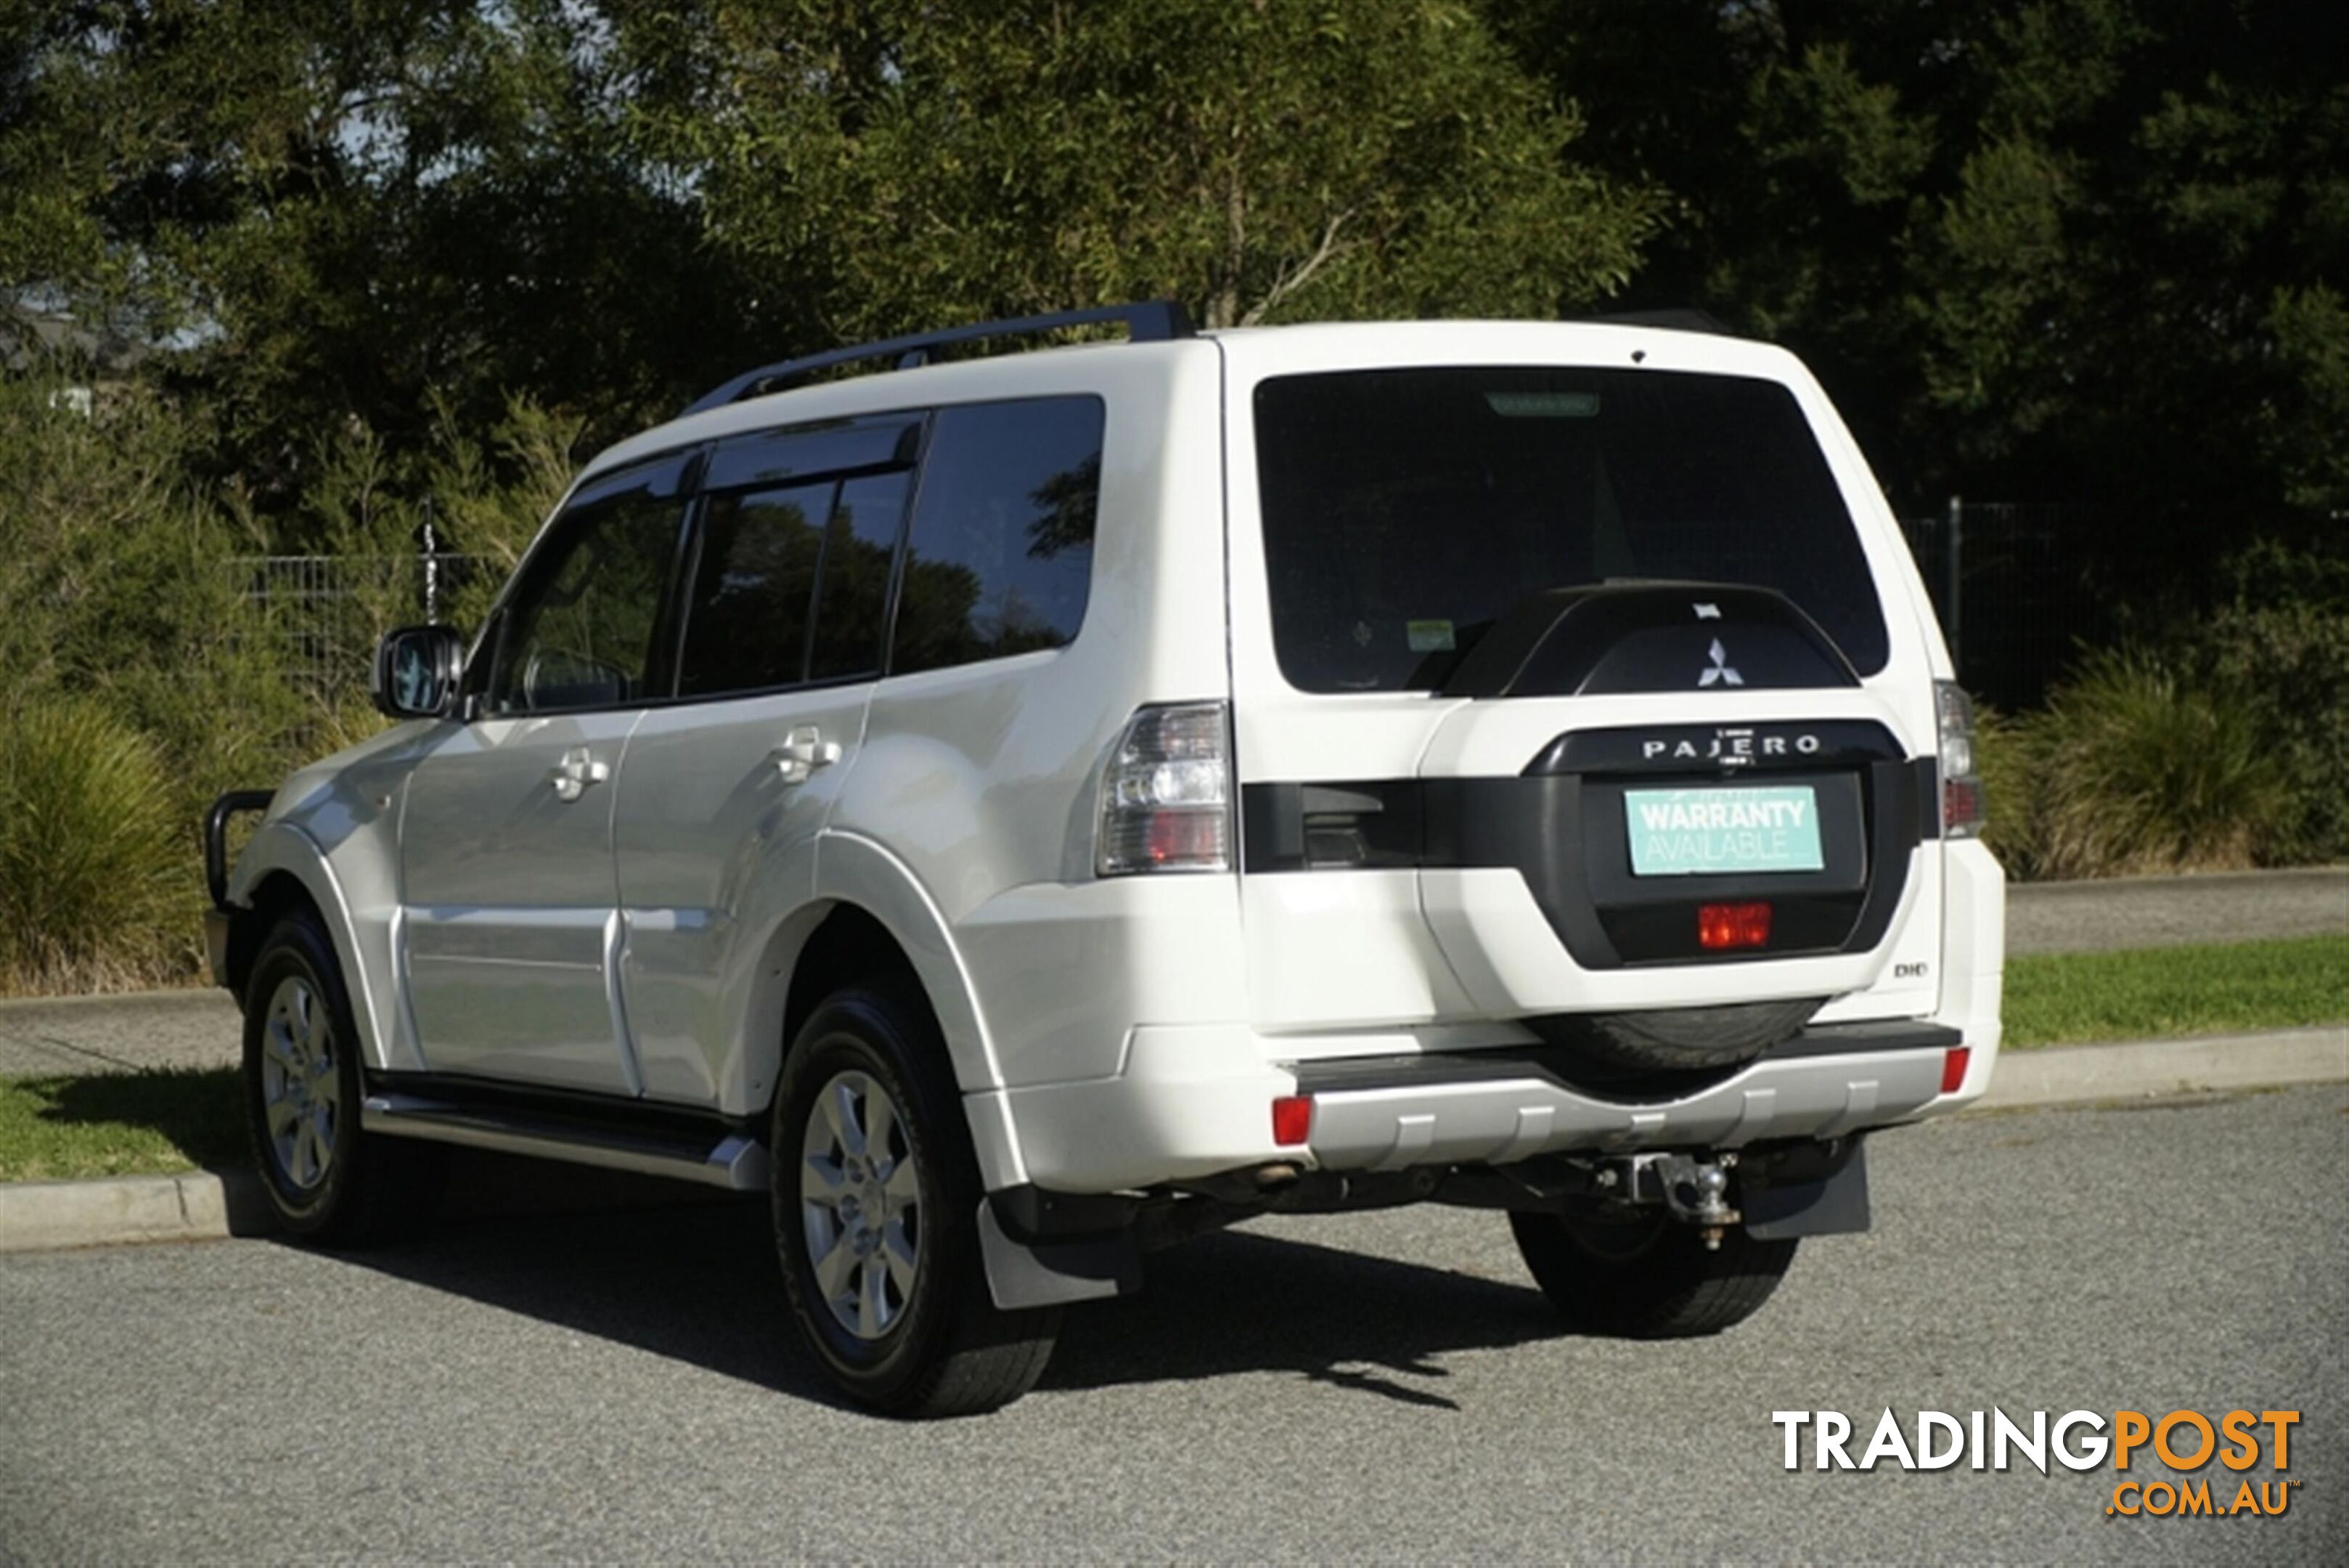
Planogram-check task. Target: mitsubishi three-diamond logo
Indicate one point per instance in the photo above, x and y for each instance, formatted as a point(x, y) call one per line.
point(1719, 672)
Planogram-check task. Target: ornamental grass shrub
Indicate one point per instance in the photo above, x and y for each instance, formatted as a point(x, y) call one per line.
point(2221, 744)
point(2136, 770)
point(91, 881)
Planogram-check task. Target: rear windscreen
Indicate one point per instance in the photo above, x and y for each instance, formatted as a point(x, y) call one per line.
point(1406, 510)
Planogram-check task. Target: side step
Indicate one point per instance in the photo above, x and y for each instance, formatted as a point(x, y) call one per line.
point(708, 1156)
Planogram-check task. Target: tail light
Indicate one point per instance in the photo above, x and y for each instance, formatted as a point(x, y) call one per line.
point(1963, 807)
point(1166, 798)
point(1722, 926)
point(1953, 1068)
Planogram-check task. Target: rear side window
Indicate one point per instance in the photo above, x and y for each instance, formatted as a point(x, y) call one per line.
point(793, 555)
point(852, 603)
point(999, 555)
point(754, 590)
point(1406, 510)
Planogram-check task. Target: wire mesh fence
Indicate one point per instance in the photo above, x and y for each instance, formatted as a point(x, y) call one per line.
point(326, 612)
point(2016, 601)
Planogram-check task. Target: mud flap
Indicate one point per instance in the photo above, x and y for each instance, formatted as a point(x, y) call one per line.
point(1831, 1204)
point(1047, 1273)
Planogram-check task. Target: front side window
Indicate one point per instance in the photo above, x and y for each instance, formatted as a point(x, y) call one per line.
point(578, 629)
point(998, 560)
point(1406, 510)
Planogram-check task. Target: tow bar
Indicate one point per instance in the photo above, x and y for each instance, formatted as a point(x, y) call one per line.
point(1690, 1189)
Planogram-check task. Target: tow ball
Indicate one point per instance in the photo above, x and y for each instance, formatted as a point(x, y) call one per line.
point(1690, 1189)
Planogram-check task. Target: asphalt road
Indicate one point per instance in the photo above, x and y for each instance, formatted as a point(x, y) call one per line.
point(618, 1385)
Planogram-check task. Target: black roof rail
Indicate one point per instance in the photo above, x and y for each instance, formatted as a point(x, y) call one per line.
point(1146, 321)
point(1679, 319)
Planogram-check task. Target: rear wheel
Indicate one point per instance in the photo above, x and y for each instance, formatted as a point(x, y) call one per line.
point(876, 1196)
point(1642, 1274)
point(326, 1179)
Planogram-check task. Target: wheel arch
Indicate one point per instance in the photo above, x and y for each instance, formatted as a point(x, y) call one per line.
point(282, 870)
point(870, 917)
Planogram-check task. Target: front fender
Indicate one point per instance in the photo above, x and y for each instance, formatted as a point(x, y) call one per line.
point(368, 949)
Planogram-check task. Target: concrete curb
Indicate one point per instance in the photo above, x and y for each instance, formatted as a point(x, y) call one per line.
point(202, 1206)
point(2072, 1075)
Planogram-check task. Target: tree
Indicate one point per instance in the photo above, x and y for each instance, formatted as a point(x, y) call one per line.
point(341, 217)
point(2088, 251)
point(905, 164)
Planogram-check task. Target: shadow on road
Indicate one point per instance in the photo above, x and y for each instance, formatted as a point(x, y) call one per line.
point(698, 1283)
point(1239, 1302)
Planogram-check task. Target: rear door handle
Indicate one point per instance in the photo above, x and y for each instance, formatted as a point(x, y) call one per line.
point(575, 772)
point(803, 751)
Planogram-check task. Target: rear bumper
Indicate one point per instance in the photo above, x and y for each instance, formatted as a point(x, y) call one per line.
point(1193, 1103)
point(1826, 1081)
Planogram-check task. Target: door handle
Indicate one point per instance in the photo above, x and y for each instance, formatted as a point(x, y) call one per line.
point(575, 772)
point(802, 751)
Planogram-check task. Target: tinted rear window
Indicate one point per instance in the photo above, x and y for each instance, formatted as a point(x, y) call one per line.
point(1406, 510)
point(1000, 554)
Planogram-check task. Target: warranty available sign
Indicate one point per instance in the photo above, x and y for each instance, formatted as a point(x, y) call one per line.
point(2186, 1442)
point(1692, 832)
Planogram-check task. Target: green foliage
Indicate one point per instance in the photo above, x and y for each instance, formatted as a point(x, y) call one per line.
point(322, 213)
point(908, 163)
point(86, 824)
point(2006, 756)
point(2081, 251)
point(2310, 327)
point(2278, 650)
point(2137, 771)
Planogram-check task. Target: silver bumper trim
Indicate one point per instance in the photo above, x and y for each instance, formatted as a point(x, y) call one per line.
point(1496, 1120)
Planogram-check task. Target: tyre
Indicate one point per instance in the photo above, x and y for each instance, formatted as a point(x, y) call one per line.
point(1683, 1039)
point(1646, 1275)
point(326, 1179)
point(877, 1195)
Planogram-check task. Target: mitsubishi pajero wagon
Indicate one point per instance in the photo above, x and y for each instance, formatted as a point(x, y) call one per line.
point(1019, 809)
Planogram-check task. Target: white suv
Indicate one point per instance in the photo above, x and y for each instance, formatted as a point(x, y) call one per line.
point(1022, 810)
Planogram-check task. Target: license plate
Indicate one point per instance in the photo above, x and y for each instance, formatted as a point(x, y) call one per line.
point(1722, 832)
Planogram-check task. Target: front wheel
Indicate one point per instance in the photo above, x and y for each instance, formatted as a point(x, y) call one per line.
point(327, 1180)
point(876, 1196)
point(1642, 1274)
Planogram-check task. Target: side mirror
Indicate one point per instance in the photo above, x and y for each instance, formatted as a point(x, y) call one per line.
point(417, 669)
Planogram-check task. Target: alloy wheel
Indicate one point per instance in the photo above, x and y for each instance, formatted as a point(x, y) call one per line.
point(301, 1086)
point(859, 1205)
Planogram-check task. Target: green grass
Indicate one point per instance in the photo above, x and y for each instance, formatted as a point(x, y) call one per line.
point(125, 1124)
point(2153, 993)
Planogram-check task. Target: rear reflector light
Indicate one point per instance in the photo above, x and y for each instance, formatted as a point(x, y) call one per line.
point(1953, 1068)
point(1165, 797)
point(1963, 810)
point(1292, 1120)
point(1722, 926)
